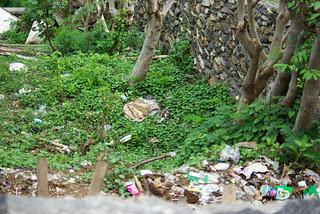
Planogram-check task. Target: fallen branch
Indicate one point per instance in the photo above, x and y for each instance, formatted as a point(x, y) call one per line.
point(166, 155)
point(155, 57)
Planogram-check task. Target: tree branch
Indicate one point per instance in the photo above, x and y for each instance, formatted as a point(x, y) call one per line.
point(267, 69)
point(167, 7)
point(253, 26)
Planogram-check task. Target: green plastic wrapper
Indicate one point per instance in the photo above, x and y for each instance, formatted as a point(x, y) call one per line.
point(283, 192)
point(312, 192)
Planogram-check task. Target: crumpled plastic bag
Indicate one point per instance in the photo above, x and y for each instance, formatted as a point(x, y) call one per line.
point(229, 153)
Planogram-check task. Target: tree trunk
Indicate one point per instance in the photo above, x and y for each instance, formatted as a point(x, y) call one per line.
point(292, 90)
point(145, 58)
point(310, 96)
point(155, 17)
point(281, 83)
point(267, 69)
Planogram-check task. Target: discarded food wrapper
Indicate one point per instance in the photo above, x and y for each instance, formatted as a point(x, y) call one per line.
point(312, 192)
point(140, 108)
point(255, 167)
point(37, 121)
point(302, 184)
point(17, 66)
point(197, 178)
point(283, 192)
point(221, 166)
point(132, 188)
point(268, 191)
point(125, 138)
point(229, 153)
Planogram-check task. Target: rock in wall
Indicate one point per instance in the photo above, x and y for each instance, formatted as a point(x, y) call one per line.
point(210, 26)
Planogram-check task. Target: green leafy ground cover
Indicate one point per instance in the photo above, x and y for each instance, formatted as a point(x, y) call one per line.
point(77, 90)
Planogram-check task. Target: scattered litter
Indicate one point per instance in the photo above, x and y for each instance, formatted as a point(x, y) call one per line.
point(132, 188)
point(302, 184)
point(71, 180)
point(107, 127)
point(126, 138)
point(268, 161)
point(314, 176)
point(154, 140)
point(255, 167)
point(283, 192)
point(124, 97)
point(17, 66)
point(37, 121)
point(1, 96)
point(221, 166)
point(228, 153)
point(24, 91)
point(86, 163)
point(41, 111)
point(249, 145)
point(184, 169)
point(140, 108)
point(312, 192)
point(60, 147)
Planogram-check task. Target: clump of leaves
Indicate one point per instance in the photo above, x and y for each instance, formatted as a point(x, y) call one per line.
point(15, 35)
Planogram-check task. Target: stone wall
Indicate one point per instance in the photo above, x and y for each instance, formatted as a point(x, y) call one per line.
point(210, 26)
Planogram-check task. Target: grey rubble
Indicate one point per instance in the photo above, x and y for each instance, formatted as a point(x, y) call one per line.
point(150, 205)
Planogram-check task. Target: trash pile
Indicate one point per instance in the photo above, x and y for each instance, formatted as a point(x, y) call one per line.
point(24, 182)
point(262, 180)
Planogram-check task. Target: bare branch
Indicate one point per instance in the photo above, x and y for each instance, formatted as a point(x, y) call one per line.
point(167, 7)
point(267, 69)
point(253, 27)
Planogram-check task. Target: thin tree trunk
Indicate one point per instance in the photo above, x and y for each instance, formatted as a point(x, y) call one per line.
point(145, 58)
point(281, 83)
point(253, 48)
point(292, 90)
point(155, 18)
point(310, 96)
point(267, 69)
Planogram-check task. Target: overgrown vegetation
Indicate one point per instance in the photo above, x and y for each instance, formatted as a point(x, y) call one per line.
point(69, 96)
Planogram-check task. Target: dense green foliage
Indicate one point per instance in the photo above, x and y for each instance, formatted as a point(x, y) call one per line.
point(13, 3)
point(69, 41)
point(15, 35)
point(75, 90)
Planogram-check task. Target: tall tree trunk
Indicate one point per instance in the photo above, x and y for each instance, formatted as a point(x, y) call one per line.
point(310, 96)
point(154, 26)
point(281, 83)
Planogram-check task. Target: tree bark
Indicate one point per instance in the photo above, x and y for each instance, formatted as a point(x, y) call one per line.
point(154, 26)
point(261, 65)
point(281, 83)
point(292, 90)
point(253, 48)
point(310, 96)
point(267, 69)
